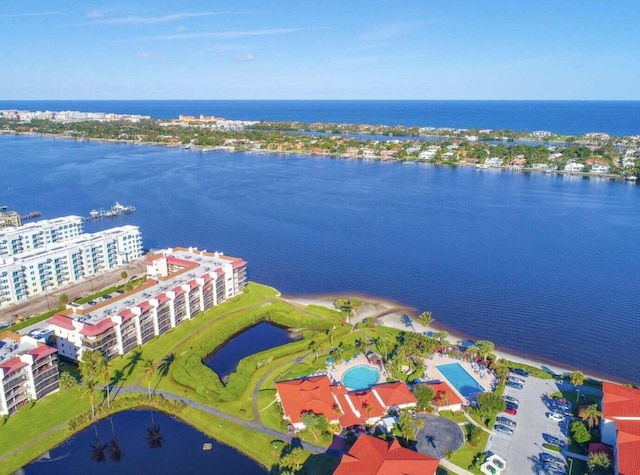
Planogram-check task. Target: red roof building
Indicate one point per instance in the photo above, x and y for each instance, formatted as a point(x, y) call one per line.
point(373, 456)
point(620, 426)
point(445, 398)
point(350, 408)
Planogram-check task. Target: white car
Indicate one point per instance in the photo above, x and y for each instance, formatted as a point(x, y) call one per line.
point(554, 416)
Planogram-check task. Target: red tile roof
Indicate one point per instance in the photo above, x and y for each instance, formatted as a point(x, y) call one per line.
point(372, 456)
point(628, 448)
point(178, 291)
point(162, 298)
point(311, 394)
point(41, 351)
point(395, 394)
point(12, 365)
point(61, 321)
point(439, 389)
point(620, 401)
point(97, 329)
point(144, 306)
point(175, 261)
point(357, 406)
point(238, 263)
point(127, 314)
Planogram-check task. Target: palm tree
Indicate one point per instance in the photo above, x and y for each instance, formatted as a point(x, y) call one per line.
point(330, 333)
point(592, 415)
point(419, 423)
point(124, 276)
point(426, 319)
point(97, 451)
point(355, 305)
point(106, 373)
point(502, 372)
point(90, 386)
point(149, 367)
point(577, 378)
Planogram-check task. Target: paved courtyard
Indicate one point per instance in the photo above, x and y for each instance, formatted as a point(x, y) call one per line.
point(438, 436)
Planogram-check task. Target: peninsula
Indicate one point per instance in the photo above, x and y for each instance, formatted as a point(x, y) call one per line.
point(591, 154)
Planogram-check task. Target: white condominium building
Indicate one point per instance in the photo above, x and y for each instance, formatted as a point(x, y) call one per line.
point(182, 283)
point(36, 235)
point(45, 268)
point(28, 371)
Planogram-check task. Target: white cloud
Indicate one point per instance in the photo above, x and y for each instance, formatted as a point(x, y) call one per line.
point(225, 34)
point(245, 57)
point(146, 55)
point(137, 20)
point(20, 15)
point(389, 31)
point(182, 28)
point(95, 14)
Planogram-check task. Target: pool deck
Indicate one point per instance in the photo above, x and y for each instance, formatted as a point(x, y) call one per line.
point(474, 371)
point(341, 368)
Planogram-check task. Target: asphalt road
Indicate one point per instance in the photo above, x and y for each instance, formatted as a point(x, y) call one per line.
point(39, 304)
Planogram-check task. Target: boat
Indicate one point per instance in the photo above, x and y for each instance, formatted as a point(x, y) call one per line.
point(116, 210)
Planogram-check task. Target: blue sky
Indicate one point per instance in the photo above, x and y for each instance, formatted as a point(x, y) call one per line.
point(410, 49)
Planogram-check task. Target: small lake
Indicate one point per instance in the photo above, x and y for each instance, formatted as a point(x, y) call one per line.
point(174, 448)
point(255, 339)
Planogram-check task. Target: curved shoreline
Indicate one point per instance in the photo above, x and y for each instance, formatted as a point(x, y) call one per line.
point(311, 154)
point(393, 319)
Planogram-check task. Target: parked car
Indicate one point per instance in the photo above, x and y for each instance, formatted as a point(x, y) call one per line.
point(554, 468)
point(511, 405)
point(560, 410)
point(561, 400)
point(545, 457)
point(516, 379)
point(554, 416)
point(515, 384)
point(505, 421)
point(503, 429)
point(553, 440)
point(510, 399)
point(511, 411)
point(519, 371)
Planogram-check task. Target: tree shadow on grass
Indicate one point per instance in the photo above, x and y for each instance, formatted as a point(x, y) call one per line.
point(164, 367)
point(134, 358)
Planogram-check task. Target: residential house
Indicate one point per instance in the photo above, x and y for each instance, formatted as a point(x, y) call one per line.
point(372, 456)
point(620, 426)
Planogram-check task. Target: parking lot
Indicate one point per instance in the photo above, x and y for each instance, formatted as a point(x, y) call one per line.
point(522, 449)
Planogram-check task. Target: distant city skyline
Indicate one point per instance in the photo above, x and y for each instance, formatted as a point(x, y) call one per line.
point(380, 49)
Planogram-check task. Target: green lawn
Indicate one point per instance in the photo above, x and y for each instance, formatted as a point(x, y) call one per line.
point(31, 422)
point(457, 416)
point(463, 457)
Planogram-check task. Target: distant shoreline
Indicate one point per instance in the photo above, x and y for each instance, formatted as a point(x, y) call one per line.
point(203, 149)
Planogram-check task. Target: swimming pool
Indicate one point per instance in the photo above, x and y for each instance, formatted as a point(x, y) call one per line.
point(462, 381)
point(360, 377)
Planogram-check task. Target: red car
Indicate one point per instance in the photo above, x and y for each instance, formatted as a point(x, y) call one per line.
point(561, 400)
point(511, 410)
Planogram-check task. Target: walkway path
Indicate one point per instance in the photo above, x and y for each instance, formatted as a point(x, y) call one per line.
point(470, 419)
point(454, 468)
point(315, 449)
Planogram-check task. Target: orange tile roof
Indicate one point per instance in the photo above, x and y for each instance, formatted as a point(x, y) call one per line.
point(311, 394)
point(395, 394)
point(440, 388)
point(373, 456)
point(628, 448)
point(620, 401)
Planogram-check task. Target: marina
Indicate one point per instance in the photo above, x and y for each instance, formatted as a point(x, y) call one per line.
point(116, 210)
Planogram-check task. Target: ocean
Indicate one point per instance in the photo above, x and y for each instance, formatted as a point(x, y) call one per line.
point(543, 265)
point(620, 118)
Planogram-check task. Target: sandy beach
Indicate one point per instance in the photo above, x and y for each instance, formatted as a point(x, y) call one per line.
point(393, 314)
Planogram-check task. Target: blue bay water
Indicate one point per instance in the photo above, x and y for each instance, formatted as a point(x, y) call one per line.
point(562, 117)
point(540, 264)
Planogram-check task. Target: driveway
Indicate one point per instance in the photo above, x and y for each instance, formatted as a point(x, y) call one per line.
point(522, 449)
point(438, 436)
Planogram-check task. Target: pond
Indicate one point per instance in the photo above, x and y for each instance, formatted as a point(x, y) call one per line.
point(255, 339)
point(145, 442)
